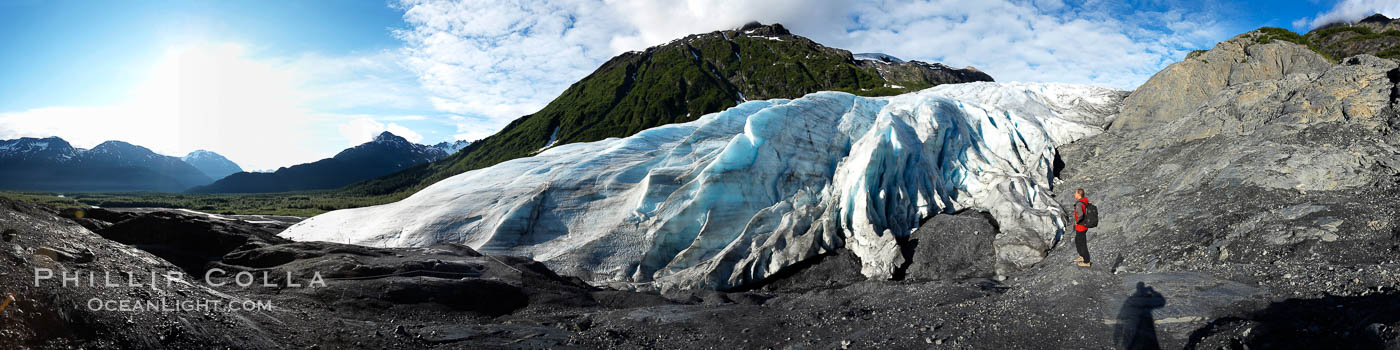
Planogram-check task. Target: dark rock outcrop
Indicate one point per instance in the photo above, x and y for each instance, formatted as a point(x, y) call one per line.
point(319, 293)
point(52, 314)
point(190, 241)
point(832, 270)
point(951, 247)
point(451, 275)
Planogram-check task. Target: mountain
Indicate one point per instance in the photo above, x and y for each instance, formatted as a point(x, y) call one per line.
point(1376, 35)
point(451, 147)
point(52, 164)
point(385, 154)
point(679, 82)
point(735, 197)
point(211, 164)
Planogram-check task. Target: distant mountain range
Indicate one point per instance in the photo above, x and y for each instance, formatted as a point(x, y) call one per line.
point(387, 153)
point(52, 164)
point(678, 82)
point(212, 164)
point(449, 148)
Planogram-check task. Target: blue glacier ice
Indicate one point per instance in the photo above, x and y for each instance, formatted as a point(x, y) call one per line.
point(736, 196)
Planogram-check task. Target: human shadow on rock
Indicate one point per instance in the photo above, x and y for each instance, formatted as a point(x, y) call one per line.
point(1136, 330)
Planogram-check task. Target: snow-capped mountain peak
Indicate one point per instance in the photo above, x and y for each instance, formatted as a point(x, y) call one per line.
point(122, 152)
point(110, 166)
point(388, 137)
point(200, 154)
point(452, 147)
point(878, 57)
point(395, 149)
point(29, 147)
point(212, 164)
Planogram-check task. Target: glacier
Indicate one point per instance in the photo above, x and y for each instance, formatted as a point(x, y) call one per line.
point(736, 196)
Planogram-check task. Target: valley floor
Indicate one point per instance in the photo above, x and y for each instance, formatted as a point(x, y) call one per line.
point(303, 204)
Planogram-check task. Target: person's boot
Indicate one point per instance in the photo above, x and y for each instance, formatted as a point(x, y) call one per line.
point(1083, 264)
point(1078, 259)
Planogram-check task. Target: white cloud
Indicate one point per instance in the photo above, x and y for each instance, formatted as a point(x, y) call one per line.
point(1020, 42)
point(501, 60)
point(262, 113)
point(657, 22)
point(378, 80)
point(1350, 11)
point(468, 128)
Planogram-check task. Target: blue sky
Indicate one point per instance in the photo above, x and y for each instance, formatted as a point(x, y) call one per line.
point(275, 83)
point(65, 45)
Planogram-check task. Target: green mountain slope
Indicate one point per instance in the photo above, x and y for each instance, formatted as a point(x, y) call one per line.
point(1377, 35)
point(679, 82)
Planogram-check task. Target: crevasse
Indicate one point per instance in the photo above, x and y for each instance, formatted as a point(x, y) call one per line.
point(735, 196)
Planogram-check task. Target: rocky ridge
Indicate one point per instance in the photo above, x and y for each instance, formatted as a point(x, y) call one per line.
point(1377, 35)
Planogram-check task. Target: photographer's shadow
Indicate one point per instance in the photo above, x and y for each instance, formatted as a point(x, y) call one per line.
point(1136, 329)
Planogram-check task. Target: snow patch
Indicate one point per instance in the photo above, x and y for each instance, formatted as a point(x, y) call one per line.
point(553, 138)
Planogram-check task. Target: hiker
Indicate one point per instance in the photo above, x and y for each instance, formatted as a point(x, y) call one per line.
point(1085, 216)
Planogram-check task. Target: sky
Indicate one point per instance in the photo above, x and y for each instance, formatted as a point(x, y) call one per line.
point(276, 83)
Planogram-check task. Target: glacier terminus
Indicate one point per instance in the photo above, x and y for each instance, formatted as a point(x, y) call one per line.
point(736, 196)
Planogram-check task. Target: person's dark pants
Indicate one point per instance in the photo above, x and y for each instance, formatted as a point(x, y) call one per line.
point(1082, 244)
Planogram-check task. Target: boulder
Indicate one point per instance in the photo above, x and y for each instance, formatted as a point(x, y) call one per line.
point(952, 246)
point(190, 241)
